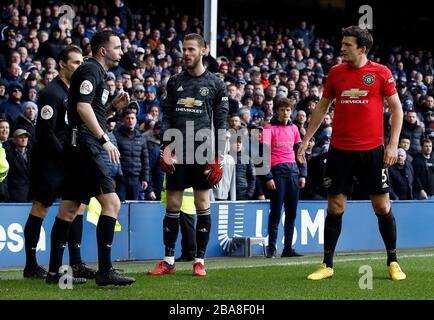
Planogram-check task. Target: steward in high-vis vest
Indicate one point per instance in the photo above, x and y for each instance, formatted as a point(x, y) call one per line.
point(4, 165)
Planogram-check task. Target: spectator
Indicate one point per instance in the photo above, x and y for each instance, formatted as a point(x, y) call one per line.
point(134, 158)
point(53, 46)
point(18, 157)
point(245, 172)
point(156, 174)
point(3, 87)
point(405, 143)
point(114, 168)
point(413, 131)
point(12, 107)
point(401, 177)
point(423, 165)
point(226, 189)
point(4, 133)
point(27, 120)
point(139, 96)
point(4, 168)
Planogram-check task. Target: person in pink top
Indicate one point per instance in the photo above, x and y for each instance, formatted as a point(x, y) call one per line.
point(286, 177)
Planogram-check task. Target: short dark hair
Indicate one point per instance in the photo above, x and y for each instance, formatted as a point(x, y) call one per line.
point(197, 37)
point(426, 140)
point(64, 54)
point(100, 39)
point(127, 112)
point(363, 36)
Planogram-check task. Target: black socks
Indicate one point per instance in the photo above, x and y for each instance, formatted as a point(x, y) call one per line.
point(59, 237)
point(332, 230)
point(31, 236)
point(387, 226)
point(170, 232)
point(104, 237)
point(74, 240)
point(203, 227)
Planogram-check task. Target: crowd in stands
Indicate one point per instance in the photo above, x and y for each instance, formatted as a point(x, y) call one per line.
point(258, 63)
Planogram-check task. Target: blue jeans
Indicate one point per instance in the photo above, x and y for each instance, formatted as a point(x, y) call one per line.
point(127, 188)
point(285, 177)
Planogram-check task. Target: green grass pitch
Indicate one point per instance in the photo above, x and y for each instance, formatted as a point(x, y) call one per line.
point(256, 278)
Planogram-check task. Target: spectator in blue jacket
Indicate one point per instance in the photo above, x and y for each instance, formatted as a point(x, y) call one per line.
point(134, 158)
point(156, 174)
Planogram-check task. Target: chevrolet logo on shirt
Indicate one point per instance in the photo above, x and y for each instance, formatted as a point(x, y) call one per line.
point(354, 93)
point(190, 102)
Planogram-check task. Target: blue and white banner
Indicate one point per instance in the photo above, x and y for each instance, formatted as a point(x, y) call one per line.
point(141, 236)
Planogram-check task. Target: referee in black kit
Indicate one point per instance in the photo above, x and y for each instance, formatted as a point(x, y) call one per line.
point(47, 168)
point(86, 174)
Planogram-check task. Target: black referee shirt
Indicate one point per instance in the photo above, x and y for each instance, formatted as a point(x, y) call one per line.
point(88, 85)
point(51, 125)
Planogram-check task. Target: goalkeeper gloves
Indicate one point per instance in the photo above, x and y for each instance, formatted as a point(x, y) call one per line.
point(214, 172)
point(167, 159)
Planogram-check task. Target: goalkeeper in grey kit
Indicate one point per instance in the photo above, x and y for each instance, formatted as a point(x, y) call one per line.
point(196, 101)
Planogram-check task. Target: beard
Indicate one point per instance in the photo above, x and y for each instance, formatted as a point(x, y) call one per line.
point(193, 63)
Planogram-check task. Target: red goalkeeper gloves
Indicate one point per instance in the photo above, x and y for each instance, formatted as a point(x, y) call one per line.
point(167, 160)
point(214, 172)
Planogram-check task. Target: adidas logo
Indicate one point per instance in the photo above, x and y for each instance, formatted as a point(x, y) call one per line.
point(202, 230)
point(180, 89)
point(385, 185)
point(166, 229)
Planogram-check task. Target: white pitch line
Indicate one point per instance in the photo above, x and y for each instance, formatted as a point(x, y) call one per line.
point(300, 263)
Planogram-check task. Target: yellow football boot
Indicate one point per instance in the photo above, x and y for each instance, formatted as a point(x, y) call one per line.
point(323, 272)
point(395, 272)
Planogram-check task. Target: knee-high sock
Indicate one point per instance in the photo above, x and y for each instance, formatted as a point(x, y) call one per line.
point(387, 226)
point(104, 237)
point(332, 230)
point(74, 240)
point(31, 236)
point(203, 228)
point(170, 232)
point(59, 237)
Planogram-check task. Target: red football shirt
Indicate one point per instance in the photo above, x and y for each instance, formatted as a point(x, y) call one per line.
point(358, 115)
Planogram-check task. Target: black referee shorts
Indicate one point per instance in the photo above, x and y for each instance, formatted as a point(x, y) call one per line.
point(366, 166)
point(86, 174)
point(187, 176)
point(46, 177)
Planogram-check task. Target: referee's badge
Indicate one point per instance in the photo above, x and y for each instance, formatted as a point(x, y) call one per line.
point(47, 112)
point(104, 97)
point(368, 79)
point(86, 87)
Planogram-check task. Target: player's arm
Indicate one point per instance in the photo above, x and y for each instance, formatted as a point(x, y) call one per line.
point(47, 119)
point(317, 116)
point(167, 157)
point(220, 115)
point(391, 151)
point(167, 107)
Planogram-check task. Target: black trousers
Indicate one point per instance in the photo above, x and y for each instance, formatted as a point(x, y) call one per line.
point(187, 223)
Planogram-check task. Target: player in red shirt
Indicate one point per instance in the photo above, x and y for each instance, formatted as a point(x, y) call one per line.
point(359, 88)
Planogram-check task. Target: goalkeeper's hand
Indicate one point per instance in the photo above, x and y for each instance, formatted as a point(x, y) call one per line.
point(167, 159)
point(214, 171)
